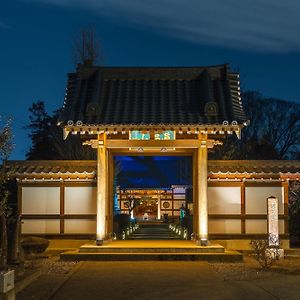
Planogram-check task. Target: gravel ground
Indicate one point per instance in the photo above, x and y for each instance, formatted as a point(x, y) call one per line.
point(49, 264)
point(249, 269)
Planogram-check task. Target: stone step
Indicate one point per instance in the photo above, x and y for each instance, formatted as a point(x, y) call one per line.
point(158, 231)
point(136, 248)
point(152, 238)
point(228, 256)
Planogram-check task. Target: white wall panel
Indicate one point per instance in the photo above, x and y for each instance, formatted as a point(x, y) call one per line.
point(40, 200)
point(281, 226)
point(80, 200)
point(256, 199)
point(80, 226)
point(224, 200)
point(40, 226)
point(178, 204)
point(179, 196)
point(224, 226)
point(256, 226)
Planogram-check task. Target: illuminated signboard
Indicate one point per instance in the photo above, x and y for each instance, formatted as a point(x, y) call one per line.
point(145, 135)
point(139, 135)
point(165, 135)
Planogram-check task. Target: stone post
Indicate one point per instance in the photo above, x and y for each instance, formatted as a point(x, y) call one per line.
point(273, 227)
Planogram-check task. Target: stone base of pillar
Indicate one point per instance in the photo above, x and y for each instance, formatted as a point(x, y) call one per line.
point(202, 242)
point(99, 242)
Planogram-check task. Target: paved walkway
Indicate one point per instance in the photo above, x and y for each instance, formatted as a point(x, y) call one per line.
point(167, 280)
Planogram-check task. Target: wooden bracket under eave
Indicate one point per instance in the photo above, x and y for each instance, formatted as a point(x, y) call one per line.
point(238, 133)
point(65, 133)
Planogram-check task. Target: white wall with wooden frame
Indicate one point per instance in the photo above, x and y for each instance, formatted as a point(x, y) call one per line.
point(235, 209)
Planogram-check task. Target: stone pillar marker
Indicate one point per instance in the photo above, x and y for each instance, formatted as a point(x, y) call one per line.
point(273, 230)
point(202, 194)
point(273, 227)
point(101, 191)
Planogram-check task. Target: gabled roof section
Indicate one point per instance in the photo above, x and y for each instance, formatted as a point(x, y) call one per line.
point(152, 95)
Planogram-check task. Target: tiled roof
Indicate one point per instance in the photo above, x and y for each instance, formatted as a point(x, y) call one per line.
point(254, 166)
point(88, 168)
point(50, 168)
point(152, 95)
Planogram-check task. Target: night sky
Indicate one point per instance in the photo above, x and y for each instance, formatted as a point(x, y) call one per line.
point(260, 39)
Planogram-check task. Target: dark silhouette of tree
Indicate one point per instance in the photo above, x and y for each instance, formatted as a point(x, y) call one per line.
point(40, 127)
point(5, 149)
point(273, 133)
point(294, 210)
point(47, 138)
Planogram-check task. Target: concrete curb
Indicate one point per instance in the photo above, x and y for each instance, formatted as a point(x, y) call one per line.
point(22, 284)
point(62, 282)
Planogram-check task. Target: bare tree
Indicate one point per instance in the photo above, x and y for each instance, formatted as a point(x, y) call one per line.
point(86, 47)
point(273, 133)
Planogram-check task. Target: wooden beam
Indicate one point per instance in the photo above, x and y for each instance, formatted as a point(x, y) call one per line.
point(152, 144)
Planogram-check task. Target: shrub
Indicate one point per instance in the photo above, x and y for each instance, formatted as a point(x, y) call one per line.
point(265, 254)
point(34, 245)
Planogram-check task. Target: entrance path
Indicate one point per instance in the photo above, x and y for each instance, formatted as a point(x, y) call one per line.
point(168, 280)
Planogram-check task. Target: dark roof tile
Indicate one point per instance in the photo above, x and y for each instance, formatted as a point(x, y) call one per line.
point(107, 95)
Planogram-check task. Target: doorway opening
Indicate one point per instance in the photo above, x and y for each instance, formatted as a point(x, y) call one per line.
point(152, 192)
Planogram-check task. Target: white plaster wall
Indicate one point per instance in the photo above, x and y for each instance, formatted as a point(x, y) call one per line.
point(40, 226)
point(256, 199)
point(260, 226)
point(80, 226)
point(180, 190)
point(80, 200)
point(179, 196)
point(281, 226)
point(256, 226)
point(40, 200)
point(224, 226)
point(224, 200)
point(177, 204)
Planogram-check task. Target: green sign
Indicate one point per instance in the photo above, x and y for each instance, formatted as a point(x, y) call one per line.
point(165, 135)
point(145, 135)
point(139, 135)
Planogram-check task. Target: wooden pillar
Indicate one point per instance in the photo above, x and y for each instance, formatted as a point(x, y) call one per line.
point(202, 192)
point(158, 207)
point(286, 206)
point(102, 195)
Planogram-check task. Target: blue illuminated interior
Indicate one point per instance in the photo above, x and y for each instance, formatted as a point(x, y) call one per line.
point(153, 171)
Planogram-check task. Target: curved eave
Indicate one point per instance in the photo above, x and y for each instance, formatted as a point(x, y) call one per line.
point(92, 129)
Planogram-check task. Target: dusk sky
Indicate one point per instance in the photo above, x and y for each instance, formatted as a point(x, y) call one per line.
point(259, 38)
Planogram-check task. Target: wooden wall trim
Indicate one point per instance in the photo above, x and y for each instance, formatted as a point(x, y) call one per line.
point(262, 184)
point(78, 236)
point(58, 217)
point(62, 209)
point(286, 206)
point(246, 216)
point(242, 236)
point(58, 184)
point(224, 184)
point(20, 193)
point(243, 208)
